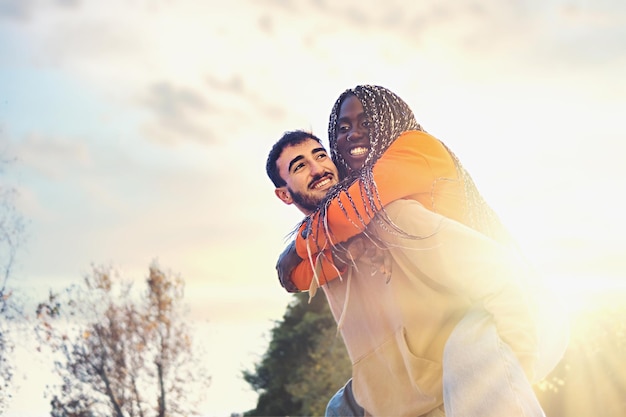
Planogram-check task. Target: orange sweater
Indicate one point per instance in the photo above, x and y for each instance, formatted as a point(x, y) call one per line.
point(416, 166)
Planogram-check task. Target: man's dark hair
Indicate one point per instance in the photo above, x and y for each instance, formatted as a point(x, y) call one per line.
point(292, 138)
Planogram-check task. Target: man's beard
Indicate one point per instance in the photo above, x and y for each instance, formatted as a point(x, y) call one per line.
point(307, 202)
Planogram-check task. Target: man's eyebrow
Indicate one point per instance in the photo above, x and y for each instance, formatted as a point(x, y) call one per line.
point(299, 157)
point(294, 160)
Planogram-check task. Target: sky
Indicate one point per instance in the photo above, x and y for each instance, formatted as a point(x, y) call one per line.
point(139, 130)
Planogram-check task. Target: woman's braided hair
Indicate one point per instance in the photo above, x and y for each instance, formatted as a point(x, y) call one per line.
point(391, 116)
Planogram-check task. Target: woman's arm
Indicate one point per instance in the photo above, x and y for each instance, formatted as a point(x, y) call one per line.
point(408, 169)
point(296, 274)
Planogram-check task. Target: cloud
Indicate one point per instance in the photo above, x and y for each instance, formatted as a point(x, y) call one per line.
point(266, 24)
point(25, 9)
point(234, 85)
point(54, 158)
point(225, 92)
point(69, 180)
point(16, 9)
point(194, 114)
point(179, 112)
point(207, 81)
point(236, 88)
point(99, 202)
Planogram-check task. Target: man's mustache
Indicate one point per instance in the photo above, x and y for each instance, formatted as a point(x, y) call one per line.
point(319, 177)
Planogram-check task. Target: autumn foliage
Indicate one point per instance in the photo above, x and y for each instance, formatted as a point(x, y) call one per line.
point(119, 353)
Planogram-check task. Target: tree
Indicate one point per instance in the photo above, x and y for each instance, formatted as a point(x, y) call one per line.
point(119, 354)
point(305, 364)
point(11, 236)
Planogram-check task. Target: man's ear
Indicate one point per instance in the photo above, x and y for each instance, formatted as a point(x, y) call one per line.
point(284, 194)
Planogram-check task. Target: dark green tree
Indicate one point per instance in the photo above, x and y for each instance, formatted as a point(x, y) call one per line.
point(305, 364)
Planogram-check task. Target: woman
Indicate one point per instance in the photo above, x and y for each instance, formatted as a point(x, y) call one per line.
point(383, 155)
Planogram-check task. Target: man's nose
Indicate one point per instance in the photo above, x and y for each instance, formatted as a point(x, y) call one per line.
point(316, 168)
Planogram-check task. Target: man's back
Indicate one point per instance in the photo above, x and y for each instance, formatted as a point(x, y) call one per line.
point(396, 330)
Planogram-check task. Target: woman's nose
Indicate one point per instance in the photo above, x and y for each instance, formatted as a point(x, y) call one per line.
point(354, 134)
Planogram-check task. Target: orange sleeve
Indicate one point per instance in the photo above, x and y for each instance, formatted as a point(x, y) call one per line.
point(302, 274)
point(408, 169)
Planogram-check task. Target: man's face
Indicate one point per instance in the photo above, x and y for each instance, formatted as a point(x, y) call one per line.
point(309, 174)
point(353, 128)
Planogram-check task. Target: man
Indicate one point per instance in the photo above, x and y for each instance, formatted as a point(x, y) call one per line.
point(396, 329)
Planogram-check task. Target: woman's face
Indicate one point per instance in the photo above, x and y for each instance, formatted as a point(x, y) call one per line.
point(353, 128)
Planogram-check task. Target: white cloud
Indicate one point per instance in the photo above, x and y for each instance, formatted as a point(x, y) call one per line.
point(54, 158)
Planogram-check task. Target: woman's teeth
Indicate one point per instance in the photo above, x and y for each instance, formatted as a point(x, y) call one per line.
point(358, 151)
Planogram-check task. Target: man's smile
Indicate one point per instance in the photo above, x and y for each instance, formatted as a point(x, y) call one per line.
point(322, 182)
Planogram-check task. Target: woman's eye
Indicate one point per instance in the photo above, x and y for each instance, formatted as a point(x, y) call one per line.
point(367, 123)
point(342, 128)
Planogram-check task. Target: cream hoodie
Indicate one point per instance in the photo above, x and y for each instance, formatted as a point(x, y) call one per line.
point(395, 330)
